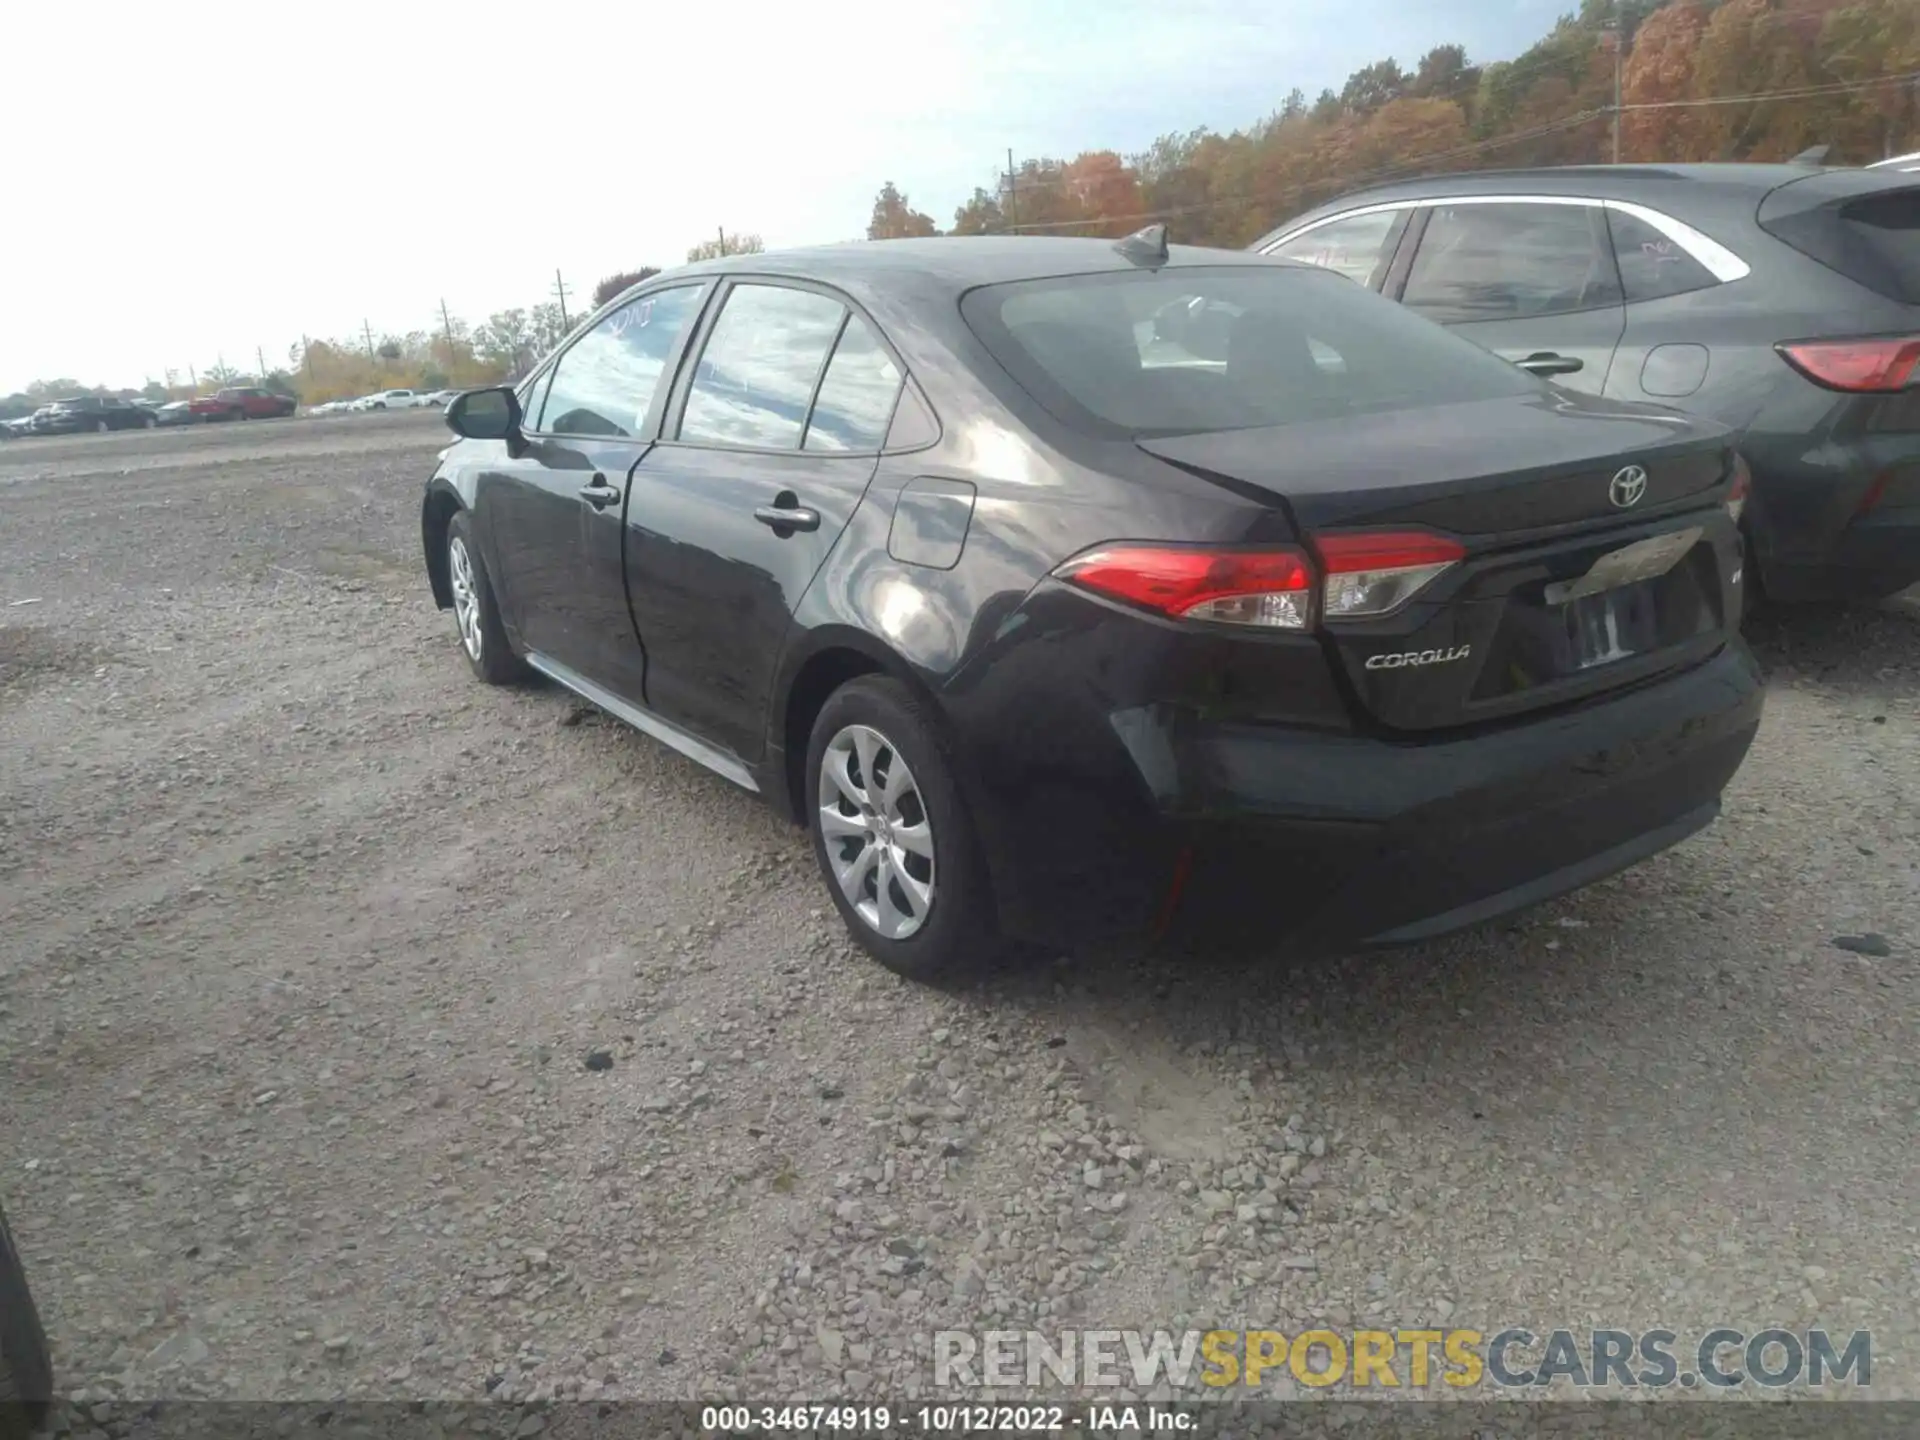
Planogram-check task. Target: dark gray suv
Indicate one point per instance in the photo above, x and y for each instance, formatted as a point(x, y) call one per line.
point(1783, 300)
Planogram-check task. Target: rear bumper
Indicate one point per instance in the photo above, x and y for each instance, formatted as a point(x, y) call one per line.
point(1263, 835)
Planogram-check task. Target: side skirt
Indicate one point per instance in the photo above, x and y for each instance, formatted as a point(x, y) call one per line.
point(646, 722)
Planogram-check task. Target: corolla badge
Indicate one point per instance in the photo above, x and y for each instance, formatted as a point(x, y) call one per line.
point(1627, 486)
point(1399, 659)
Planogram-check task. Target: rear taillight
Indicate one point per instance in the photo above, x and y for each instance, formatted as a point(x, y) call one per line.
point(1365, 576)
point(1874, 365)
point(1272, 589)
point(1737, 492)
point(1374, 574)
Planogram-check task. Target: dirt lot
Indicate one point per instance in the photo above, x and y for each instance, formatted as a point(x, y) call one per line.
point(305, 938)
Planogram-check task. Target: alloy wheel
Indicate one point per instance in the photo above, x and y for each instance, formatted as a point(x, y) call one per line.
point(877, 834)
point(466, 595)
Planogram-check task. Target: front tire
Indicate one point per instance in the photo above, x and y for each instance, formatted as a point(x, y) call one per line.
point(892, 835)
point(26, 1371)
point(483, 640)
point(101, 427)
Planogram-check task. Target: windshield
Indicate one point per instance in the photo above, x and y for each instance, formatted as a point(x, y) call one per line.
point(1204, 349)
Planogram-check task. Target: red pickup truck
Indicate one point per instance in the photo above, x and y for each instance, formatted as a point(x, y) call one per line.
point(241, 403)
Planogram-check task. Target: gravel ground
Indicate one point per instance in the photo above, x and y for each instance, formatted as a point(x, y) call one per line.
point(370, 1033)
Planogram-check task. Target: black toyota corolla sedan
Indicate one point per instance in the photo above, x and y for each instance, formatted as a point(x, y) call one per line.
point(1074, 592)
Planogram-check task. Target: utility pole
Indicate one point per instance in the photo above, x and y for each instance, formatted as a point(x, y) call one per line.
point(560, 290)
point(723, 240)
point(261, 356)
point(367, 330)
point(1013, 209)
point(1619, 61)
point(306, 356)
point(193, 377)
point(446, 324)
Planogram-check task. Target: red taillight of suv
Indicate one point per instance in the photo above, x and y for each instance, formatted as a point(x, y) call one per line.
point(1875, 364)
point(1358, 576)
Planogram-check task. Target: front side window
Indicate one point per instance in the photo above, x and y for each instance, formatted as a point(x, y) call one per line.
point(757, 373)
point(1359, 248)
point(605, 382)
point(855, 403)
point(1509, 262)
point(1250, 347)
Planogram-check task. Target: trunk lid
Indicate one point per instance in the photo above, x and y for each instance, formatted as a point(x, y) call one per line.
point(1567, 589)
point(1493, 467)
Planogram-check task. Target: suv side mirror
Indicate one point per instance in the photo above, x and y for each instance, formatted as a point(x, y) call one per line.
point(492, 414)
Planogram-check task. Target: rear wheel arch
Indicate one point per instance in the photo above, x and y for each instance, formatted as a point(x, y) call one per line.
point(835, 659)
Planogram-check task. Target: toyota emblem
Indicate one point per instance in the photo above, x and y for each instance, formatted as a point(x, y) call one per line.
point(1628, 485)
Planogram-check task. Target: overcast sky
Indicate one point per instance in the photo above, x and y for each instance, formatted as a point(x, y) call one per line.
point(190, 183)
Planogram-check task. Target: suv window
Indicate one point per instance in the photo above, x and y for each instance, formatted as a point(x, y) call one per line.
point(1509, 262)
point(1652, 267)
point(759, 366)
point(1359, 248)
point(855, 403)
point(604, 383)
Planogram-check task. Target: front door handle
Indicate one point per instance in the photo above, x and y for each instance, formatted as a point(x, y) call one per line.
point(788, 517)
point(600, 494)
point(1545, 362)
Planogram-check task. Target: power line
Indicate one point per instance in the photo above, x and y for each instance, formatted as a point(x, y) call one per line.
point(1804, 92)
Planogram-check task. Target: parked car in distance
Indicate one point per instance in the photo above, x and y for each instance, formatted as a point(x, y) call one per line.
point(243, 402)
point(90, 412)
point(388, 400)
point(14, 429)
point(1782, 300)
point(438, 399)
point(1352, 633)
point(175, 412)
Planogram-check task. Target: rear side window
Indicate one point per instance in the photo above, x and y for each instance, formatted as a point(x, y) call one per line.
point(1652, 267)
point(1359, 248)
point(1849, 223)
point(1509, 262)
point(855, 403)
point(1203, 349)
point(758, 370)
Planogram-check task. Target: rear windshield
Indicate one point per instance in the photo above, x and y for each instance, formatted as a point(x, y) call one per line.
point(1874, 241)
point(1206, 349)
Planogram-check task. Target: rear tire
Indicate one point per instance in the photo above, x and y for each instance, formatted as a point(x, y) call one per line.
point(26, 1369)
point(483, 640)
point(101, 427)
point(897, 848)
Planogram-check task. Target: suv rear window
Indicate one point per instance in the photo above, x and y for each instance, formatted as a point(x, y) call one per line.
point(1873, 240)
point(1204, 349)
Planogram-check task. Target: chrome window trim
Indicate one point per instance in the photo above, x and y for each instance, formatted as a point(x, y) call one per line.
point(1716, 259)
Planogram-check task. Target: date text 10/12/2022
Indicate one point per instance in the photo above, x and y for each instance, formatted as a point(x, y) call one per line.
point(955, 1419)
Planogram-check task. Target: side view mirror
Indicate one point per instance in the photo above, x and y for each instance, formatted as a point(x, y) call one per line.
point(492, 414)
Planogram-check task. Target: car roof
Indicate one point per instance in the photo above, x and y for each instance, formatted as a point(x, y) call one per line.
point(1648, 183)
point(958, 262)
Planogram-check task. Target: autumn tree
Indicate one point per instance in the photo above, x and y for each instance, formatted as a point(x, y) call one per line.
point(724, 244)
point(895, 219)
point(624, 280)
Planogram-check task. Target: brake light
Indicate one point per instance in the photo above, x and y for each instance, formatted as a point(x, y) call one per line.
point(1737, 492)
point(1876, 365)
point(1374, 574)
point(1272, 589)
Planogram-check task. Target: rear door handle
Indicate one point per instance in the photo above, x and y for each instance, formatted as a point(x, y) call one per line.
point(600, 494)
point(1545, 362)
point(788, 517)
